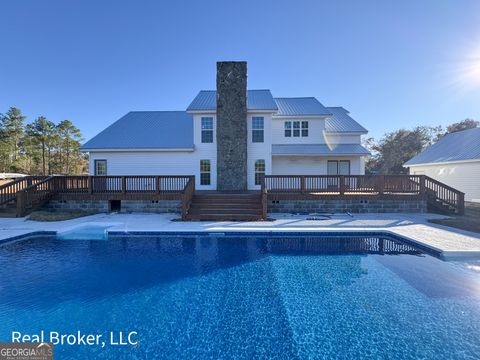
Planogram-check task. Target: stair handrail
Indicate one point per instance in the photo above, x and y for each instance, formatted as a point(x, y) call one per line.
point(8, 191)
point(30, 196)
point(458, 196)
point(187, 196)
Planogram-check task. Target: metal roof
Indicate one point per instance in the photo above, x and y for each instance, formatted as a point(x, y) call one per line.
point(342, 122)
point(146, 130)
point(206, 100)
point(458, 146)
point(302, 106)
point(318, 149)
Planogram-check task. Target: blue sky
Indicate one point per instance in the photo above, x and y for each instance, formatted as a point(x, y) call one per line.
point(392, 64)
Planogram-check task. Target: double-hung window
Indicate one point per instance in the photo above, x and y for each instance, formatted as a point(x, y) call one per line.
point(259, 171)
point(207, 129)
point(257, 129)
point(205, 172)
point(304, 128)
point(100, 167)
point(296, 128)
point(288, 129)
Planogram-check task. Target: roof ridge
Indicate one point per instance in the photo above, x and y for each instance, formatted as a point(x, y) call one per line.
point(297, 97)
point(157, 111)
point(247, 90)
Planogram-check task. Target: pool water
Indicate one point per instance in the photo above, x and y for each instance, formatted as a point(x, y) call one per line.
point(243, 297)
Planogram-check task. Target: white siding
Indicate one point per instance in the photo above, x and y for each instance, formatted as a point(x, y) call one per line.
point(316, 127)
point(164, 163)
point(259, 151)
point(341, 139)
point(316, 133)
point(312, 165)
point(462, 176)
point(188, 163)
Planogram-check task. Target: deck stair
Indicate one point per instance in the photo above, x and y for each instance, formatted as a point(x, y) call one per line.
point(225, 206)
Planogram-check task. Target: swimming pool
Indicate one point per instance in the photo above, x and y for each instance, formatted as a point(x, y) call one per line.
point(216, 297)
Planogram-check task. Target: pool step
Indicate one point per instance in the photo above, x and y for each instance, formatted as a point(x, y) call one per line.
point(225, 206)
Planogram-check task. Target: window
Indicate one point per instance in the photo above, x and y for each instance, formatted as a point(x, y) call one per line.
point(344, 167)
point(204, 172)
point(257, 129)
point(304, 128)
point(259, 171)
point(100, 167)
point(207, 130)
point(296, 128)
point(338, 167)
point(300, 128)
point(288, 128)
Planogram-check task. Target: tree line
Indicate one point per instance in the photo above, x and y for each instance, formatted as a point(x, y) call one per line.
point(397, 147)
point(40, 147)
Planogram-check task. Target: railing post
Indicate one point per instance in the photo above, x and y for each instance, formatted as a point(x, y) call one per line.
point(124, 184)
point(341, 179)
point(264, 204)
point(192, 179)
point(461, 203)
point(381, 184)
point(90, 185)
point(422, 185)
point(20, 203)
point(157, 184)
point(302, 184)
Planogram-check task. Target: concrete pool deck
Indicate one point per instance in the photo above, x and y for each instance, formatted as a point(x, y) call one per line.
point(452, 243)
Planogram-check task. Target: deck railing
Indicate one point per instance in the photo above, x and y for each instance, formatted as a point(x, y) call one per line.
point(35, 195)
point(343, 184)
point(9, 190)
point(437, 194)
point(445, 194)
point(133, 187)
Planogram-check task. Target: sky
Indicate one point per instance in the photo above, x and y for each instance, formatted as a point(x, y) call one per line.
point(392, 64)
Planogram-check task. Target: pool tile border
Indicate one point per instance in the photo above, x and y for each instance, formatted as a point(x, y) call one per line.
point(431, 250)
point(427, 249)
point(27, 236)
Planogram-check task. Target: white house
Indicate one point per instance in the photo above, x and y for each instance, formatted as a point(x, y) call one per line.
point(454, 160)
point(228, 138)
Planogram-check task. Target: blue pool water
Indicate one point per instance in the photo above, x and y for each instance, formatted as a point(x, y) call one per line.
point(243, 297)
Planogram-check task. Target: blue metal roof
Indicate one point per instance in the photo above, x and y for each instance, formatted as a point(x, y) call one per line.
point(318, 149)
point(458, 146)
point(306, 106)
point(206, 100)
point(146, 130)
point(342, 122)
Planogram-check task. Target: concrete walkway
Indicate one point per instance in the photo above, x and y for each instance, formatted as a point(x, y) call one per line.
point(452, 243)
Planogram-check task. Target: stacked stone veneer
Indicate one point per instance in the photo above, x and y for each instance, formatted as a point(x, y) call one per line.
point(232, 126)
point(349, 205)
point(160, 206)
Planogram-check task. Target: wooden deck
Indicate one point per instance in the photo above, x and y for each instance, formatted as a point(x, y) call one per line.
point(30, 193)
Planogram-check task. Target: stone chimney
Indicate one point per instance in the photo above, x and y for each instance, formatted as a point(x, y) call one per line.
point(232, 126)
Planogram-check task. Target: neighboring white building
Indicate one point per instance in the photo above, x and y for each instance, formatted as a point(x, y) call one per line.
point(285, 136)
point(454, 160)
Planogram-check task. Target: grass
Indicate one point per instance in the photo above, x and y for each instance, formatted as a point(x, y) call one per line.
point(58, 215)
point(470, 221)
